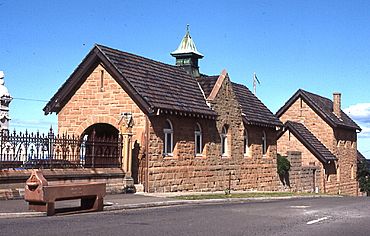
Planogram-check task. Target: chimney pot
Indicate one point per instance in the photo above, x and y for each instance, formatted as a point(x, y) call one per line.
point(337, 104)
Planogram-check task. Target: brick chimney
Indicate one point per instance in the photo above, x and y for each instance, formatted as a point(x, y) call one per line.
point(337, 104)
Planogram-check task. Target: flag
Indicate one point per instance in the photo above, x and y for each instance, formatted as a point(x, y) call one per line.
point(256, 79)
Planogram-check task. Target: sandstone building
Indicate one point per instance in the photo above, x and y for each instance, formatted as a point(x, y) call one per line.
point(190, 131)
point(323, 139)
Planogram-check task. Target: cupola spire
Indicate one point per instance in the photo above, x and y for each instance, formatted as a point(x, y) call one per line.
point(187, 55)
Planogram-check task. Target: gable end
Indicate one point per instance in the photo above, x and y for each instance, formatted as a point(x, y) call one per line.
point(79, 76)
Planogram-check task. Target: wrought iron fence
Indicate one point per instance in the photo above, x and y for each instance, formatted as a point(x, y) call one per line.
point(35, 150)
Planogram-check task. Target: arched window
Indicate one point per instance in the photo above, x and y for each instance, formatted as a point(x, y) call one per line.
point(264, 143)
point(198, 139)
point(168, 138)
point(246, 143)
point(224, 141)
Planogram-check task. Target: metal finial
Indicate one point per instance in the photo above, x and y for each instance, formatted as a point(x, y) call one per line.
point(187, 28)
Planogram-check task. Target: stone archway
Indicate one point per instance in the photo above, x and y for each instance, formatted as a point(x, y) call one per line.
point(101, 130)
point(101, 146)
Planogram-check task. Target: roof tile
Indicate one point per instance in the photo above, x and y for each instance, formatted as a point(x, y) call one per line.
point(254, 111)
point(323, 106)
point(163, 86)
point(310, 141)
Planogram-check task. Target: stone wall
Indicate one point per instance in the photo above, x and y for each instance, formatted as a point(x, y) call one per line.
point(229, 114)
point(199, 174)
point(303, 178)
point(185, 171)
point(346, 152)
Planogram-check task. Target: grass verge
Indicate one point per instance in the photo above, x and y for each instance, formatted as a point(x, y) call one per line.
point(240, 195)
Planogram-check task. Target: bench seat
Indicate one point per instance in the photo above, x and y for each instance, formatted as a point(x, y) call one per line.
point(42, 197)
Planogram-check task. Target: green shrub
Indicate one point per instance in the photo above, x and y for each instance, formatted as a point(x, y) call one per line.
point(363, 176)
point(283, 165)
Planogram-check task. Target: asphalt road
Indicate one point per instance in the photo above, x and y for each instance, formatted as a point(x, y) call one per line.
point(314, 216)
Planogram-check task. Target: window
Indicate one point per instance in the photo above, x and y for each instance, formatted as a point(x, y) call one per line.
point(198, 139)
point(102, 81)
point(224, 141)
point(246, 143)
point(168, 139)
point(264, 143)
point(352, 171)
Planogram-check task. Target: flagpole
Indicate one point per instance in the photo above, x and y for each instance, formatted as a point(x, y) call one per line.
point(254, 83)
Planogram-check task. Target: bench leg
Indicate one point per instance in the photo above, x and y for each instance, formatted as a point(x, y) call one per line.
point(50, 208)
point(94, 203)
point(99, 204)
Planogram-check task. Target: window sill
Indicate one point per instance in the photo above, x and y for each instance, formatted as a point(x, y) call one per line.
point(199, 155)
point(168, 155)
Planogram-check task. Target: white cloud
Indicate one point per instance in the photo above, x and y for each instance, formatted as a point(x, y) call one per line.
point(360, 113)
point(365, 132)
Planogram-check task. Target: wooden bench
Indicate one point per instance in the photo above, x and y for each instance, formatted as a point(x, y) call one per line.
point(42, 197)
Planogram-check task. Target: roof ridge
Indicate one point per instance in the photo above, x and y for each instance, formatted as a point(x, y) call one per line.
point(317, 95)
point(322, 106)
point(240, 85)
point(216, 88)
point(206, 76)
point(139, 56)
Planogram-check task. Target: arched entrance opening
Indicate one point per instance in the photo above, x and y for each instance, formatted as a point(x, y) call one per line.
point(101, 146)
point(102, 130)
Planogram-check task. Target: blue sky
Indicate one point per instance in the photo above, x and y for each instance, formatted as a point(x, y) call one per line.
point(320, 46)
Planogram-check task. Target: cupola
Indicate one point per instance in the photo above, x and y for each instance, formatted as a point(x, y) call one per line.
point(187, 55)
